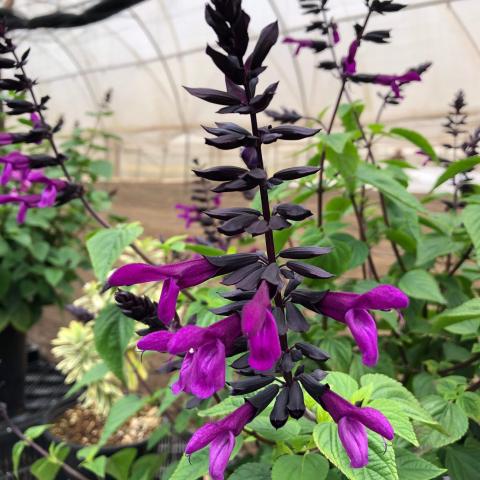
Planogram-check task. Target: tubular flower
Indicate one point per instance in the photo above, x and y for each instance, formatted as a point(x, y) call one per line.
point(221, 438)
point(349, 63)
point(302, 43)
point(260, 327)
point(353, 310)
point(175, 276)
point(352, 421)
point(396, 81)
point(204, 349)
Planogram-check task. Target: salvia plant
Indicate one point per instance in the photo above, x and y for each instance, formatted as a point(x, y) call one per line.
point(266, 298)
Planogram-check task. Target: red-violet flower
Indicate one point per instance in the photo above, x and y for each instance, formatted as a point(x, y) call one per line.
point(396, 81)
point(204, 349)
point(349, 63)
point(316, 45)
point(221, 438)
point(353, 309)
point(352, 421)
point(175, 276)
point(189, 213)
point(260, 327)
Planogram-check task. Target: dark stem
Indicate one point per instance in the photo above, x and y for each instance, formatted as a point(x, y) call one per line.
point(53, 145)
point(460, 262)
point(474, 386)
point(11, 425)
point(460, 365)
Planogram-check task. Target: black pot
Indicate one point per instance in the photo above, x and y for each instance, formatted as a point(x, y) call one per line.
point(13, 369)
point(72, 459)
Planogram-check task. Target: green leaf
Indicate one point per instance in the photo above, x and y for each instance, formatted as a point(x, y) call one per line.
point(160, 433)
point(204, 249)
point(97, 466)
point(469, 310)
point(262, 426)
point(381, 461)
point(36, 431)
point(105, 246)
point(417, 139)
point(120, 412)
point(350, 114)
point(17, 451)
point(96, 373)
point(146, 467)
point(471, 219)
point(398, 418)
point(413, 467)
point(301, 467)
point(53, 276)
point(251, 471)
point(463, 461)
point(335, 141)
point(455, 168)
point(112, 331)
point(422, 285)
point(383, 181)
point(101, 168)
point(191, 468)
point(4, 281)
point(469, 402)
point(342, 384)
point(386, 387)
point(346, 162)
point(430, 247)
point(40, 250)
point(340, 351)
point(450, 416)
point(223, 408)
point(48, 468)
point(118, 465)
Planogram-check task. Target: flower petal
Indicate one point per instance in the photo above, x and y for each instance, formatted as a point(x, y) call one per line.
point(186, 338)
point(167, 304)
point(355, 441)
point(336, 304)
point(137, 273)
point(48, 197)
point(374, 420)
point(253, 313)
point(364, 331)
point(264, 345)
point(220, 451)
point(183, 382)
point(6, 174)
point(336, 405)
point(383, 297)
point(207, 374)
point(202, 437)
point(227, 330)
point(156, 341)
point(22, 213)
point(196, 272)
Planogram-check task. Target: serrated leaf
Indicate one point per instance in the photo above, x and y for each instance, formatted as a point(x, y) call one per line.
point(398, 418)
point(450, 416)
point(342, 384)
point(301, 467)
point(469, 402)
point(381, 462)
point(471, 219)
point(463, 461)
point(422, 285)
point(106, 246)
point(262, 426)
point(413, 467)
point(383, 181)
point(470, 310)
point(112, 331)
point(417, 139)
point(251, 471)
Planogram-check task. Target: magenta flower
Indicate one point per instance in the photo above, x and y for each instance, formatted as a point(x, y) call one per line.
point(316, 45)
point(204, 349)
point(349, 63)
point(12, 161)
point(221, 438)
point(25, 203)
point(396, 81)
point(260, 328)
point(353, 310)
point(335, 33)
point(175, 276)
point(6, 138)
point(352, 421)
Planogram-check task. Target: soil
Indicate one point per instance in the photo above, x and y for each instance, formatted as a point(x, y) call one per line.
point(82, 426)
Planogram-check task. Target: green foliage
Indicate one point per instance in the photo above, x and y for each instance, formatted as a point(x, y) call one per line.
point(302, 467)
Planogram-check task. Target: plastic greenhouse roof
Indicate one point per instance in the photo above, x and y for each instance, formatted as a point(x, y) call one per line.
point(145, 54)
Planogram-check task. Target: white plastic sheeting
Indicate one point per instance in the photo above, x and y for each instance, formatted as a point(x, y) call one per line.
point(147, 53)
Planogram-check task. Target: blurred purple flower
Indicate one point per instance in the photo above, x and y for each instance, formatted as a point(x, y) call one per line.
point(260, 327)
point(204, 349)
point(189, 213)
point(349, 63)
point(220, 436)
point(175, 276)
point(396, 81)
point(353, 310)
point(352, 421)
point(335, 33)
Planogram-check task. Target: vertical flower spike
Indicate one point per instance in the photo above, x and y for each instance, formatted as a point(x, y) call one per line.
point(352, 423)
point(260, 328)
point(353, 310)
